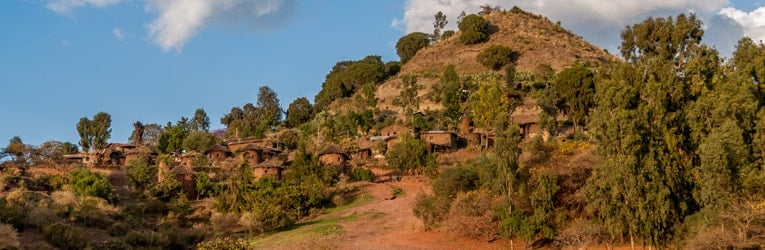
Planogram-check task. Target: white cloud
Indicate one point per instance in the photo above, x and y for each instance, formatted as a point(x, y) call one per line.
point(597, 20)
point(752, 22)
point(66, 6)
point(179, 20)
point(119, 34)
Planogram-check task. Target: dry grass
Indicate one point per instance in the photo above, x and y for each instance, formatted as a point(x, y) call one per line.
point(8, 237)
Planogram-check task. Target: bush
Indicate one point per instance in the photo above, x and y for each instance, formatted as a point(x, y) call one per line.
point(474, 29)
point(407, 46)
point(87, 183)
point(454, 180)
point(8, 237)
point(146, 239)
point(40, 217)
point(471, 215)
point(139, 174)
point(224, 223)
point(117, 229)
point(431, 209)
point(362, 174)
point(226, 243)
point(495, 57)
point(447, 34)
point(409, 155)
point(12, 214)
point(64, 236)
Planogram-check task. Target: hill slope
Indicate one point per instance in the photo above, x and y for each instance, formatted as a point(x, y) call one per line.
point(534, 37)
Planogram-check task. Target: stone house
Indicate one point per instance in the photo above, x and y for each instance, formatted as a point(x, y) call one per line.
point(439, 140)
point(270, 168)
point(235, 146)
point(217, 153)
point(188, 159)
point(185, 176)
point(255, 154)
point(395, 130)
point(333, 156)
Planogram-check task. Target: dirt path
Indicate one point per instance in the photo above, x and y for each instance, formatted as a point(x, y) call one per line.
point(391, 224)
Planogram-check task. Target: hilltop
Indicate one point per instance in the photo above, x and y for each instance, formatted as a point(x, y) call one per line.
point(535, 39)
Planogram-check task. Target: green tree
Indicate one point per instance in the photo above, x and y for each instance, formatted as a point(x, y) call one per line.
point(496, 56)
point(198, 141)
point(300, 111)
point(451, 93)
point(488, 103)
point(348, 76)
point(200, 121)
point(408, 99)
point(94, 133)
point(474, 29)
point(573, 91)
point(438, 25)
point(407, 46)
point(204, 186)
point(268, 109)
point(87, 183)
point(140, 174)
point(172, 138)
point(642, 130)
point(136, 137)
point(410, 155)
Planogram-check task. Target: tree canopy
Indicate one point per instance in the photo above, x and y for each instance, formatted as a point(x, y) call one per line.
point(407, 46)
point(94, 133)
point(474, 29)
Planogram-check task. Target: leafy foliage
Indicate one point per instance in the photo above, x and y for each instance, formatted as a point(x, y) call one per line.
point(407, 46)
point(300, 111)
point(496, 57)
point(139, 174)
point(200, 121)
point(94, 133)
point(348, 76)
point(254, 121)
point(87, 183)
point(573, 93)
point(474, 29)
point(410, 155)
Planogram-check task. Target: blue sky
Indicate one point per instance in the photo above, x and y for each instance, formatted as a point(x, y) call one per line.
point(138, 60)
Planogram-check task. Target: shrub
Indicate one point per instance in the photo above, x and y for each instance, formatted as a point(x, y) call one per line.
point(139, 174)
point(87, 183)
point(495, 57)
point(40, 217)
point(64, 236)
point(474, 29)
point(407, 46)
point(12, 214)
point(431, 209)
point(118, 229)
point(409, 155)
point(362, 174)
point(471, 215)
point(224, 223)
point(8, 237)
point(226, 243)
point(447, 34)
point(146, 239)
point(454, 180)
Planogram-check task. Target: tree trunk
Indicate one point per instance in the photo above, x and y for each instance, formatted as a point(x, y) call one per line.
point(632, 242)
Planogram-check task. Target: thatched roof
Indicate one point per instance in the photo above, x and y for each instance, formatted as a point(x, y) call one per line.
point(332, 149)
point(181, 170)
point(218, 148)
point(271, 163)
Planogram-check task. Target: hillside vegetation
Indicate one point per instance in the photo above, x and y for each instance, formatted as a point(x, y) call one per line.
point(509, 132)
